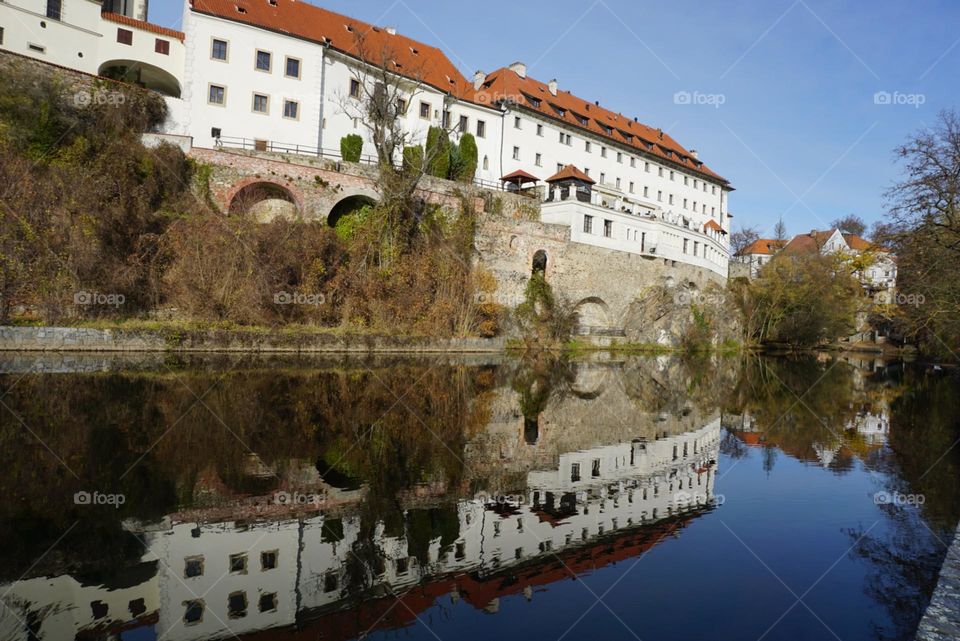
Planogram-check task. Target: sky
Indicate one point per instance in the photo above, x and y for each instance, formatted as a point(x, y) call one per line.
point(800, 104)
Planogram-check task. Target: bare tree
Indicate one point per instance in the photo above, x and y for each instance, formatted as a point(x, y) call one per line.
point(929, 194)
point(378, 99)
point(850, 224)
point(780, 231)
point(742, 237)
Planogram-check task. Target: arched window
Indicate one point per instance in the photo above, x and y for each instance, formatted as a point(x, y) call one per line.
point(540, 262)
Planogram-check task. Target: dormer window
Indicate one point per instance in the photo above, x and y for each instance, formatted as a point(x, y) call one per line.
point(560, 111)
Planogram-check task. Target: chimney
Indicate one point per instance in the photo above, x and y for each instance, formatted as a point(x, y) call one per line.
point(519, 68)
point(391, 30)
point(478, 79)
point(553, 86)
point(693, 154)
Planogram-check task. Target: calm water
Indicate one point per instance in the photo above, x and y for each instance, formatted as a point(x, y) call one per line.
point(640, 498)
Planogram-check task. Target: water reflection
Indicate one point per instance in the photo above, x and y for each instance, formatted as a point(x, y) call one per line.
point(294, 498)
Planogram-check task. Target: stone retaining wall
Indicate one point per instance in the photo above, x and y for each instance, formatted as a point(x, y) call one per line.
point(941, 621)
point(80, 339)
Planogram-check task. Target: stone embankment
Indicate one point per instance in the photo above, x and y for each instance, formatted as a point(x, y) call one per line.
point(82, 339)
point(941, 621)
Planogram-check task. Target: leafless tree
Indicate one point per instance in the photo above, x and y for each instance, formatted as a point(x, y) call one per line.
point(742, 237)
point(850, 224)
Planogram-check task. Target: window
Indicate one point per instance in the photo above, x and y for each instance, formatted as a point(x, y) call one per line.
point(330, 581)
point(125, 36)
point(264, 60)
point(481, 129)
point(671, 175)
point(425, 110)
point(659, 196)
point(568, 139)
point(516, 153)
point(539, 130)
point(268, 602)
point(54, 9)
point(162, 46)
point(193, 611)
point(619, 157)
point(670, 199)
point(537, 160)
point(261, 103)
point(268, 560)
point(193, 566)
point(660, 172)
point(1, 35)
point(464, 124)
point(603, 152)
point(575, 472)
point(37, 48)
point(237, 605)
point(217, 95)
point(633, 161)
point(684, 251)
point(631, 186)
point(586, 146)
point(595, 472)
point(292, 68)
point(218, 49)
point(646, 167)
point(695, 183)
point(618, 183)
point(445, 116)
point(401, 106)
point(486, 162)
point(238, 563)
point(516, 122)
point(608, 228)
point(646, 191)
point(588, 224)
point(603, 178)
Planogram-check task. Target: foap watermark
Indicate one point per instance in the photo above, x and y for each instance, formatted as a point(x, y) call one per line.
point(98, 298)
point(698, 498)
point(899, 298)
point(685, 297)
point(500, 499)
point(498, 298)
point(899, 499)
point(698, 98)
point(898, 98)
point(299, 298)
point(98, 498)
point(99, 98)
point(297, 498)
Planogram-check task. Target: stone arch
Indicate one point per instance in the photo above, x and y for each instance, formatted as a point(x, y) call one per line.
point(264, 199)
point(539, 263)
point(141, 74)
point(593, 316)
point(350, 202)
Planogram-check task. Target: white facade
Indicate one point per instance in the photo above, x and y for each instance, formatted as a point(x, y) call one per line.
point(79, 36)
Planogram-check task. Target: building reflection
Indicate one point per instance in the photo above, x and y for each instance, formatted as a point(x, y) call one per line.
point(599, 481)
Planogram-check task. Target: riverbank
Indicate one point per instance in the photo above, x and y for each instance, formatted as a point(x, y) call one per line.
point(197, 339)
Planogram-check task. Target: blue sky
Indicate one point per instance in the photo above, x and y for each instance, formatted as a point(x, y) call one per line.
point(799, 132)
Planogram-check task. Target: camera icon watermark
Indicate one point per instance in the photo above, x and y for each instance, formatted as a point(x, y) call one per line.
point(686, 297)
point(99, 98)
point(897, 98)
point(500, 299)
point(899, 499)
point(298, 298)
point(698, 98)
point(86, 298)
point(98, 498)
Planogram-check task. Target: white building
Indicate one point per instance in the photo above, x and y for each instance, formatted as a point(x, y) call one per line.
point(100, 39)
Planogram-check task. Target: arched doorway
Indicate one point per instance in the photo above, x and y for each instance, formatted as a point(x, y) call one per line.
point(539, 263)
point(592, 316)
point(349, 205)
point(264, 201)
point(143, 75)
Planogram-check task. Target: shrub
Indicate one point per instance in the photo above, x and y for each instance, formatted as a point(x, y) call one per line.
point(438, 152)
point(413, 159)
point(467, 166)
point(351, 147)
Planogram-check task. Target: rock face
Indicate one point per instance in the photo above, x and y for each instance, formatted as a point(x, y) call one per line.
point(671, 316)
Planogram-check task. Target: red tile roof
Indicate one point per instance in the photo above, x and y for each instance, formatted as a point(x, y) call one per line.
point(415, 59)
point(579, 113)
point(140, 24)
point(712, 224)
point(570, 172)
point(810, 243)
point(519, 176)
point(857, 243)
point(349, 36)
point(765, 246)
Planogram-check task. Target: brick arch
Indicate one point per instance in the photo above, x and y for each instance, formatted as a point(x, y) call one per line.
point(289, 188)
point(358, 194)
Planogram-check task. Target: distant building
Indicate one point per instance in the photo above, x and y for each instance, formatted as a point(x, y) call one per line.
point(758, 253)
